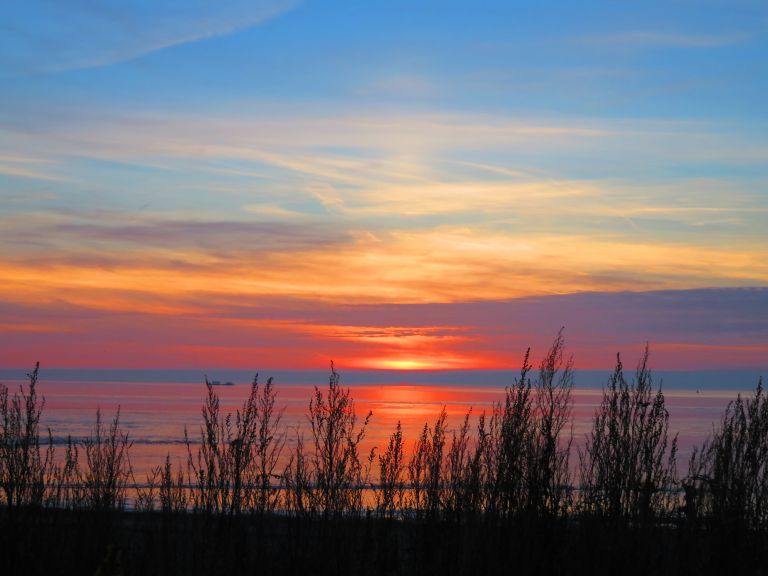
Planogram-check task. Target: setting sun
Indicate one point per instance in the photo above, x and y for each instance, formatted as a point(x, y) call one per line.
point(416, 363)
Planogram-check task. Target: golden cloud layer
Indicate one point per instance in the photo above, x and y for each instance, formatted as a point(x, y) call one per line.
point(446, 264)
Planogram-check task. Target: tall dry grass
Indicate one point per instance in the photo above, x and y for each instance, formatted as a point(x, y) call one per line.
point(628, 466)
point(728, 476)
point(25, 467)
point(477, 485)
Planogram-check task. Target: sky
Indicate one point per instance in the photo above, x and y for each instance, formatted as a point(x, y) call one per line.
point(393, 185)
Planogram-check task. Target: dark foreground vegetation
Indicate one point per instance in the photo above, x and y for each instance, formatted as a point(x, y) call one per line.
point(502, 493)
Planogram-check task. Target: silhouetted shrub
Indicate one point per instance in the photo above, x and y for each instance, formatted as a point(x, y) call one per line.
point(172, 491)
point(525, 453)
point(107, 471)
point(425, 469)
point(628, 467)
point(268, 447)
point(549, 478)
point(233, 467)
point(297, 479)
point(508, 454)
point(458, 473)
point(65, 489)
point(728, 476)
point(338, 475)
point(24, 467)
point(391, 491)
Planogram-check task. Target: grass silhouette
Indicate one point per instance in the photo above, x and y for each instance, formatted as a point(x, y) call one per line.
point(494, 495)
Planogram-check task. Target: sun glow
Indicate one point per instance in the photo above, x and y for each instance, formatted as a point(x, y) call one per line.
point(404, 364)
point(419, 363)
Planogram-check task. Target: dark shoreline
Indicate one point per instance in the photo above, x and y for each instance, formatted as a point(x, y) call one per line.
point(50, 541)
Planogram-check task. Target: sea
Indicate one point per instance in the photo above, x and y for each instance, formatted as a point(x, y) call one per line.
point(156, 407)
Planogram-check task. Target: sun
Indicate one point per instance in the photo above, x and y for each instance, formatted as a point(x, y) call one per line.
point(405, 364)
point(417, 362)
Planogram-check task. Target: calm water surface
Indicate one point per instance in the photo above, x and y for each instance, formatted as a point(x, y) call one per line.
point(157, 406)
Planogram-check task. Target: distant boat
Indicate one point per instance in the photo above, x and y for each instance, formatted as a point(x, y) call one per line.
point(220, 383)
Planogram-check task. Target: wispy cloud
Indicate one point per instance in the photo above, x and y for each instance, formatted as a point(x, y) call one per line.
point(23, 172)
point(402, 208)
point(355, 148)
point(435, 264)
point(29, 167)
point(394, 204)
point(48, 36)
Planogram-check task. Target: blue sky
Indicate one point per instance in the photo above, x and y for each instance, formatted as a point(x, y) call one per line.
point(648, 59)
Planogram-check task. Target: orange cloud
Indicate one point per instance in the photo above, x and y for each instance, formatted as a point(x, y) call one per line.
point(441, 265)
